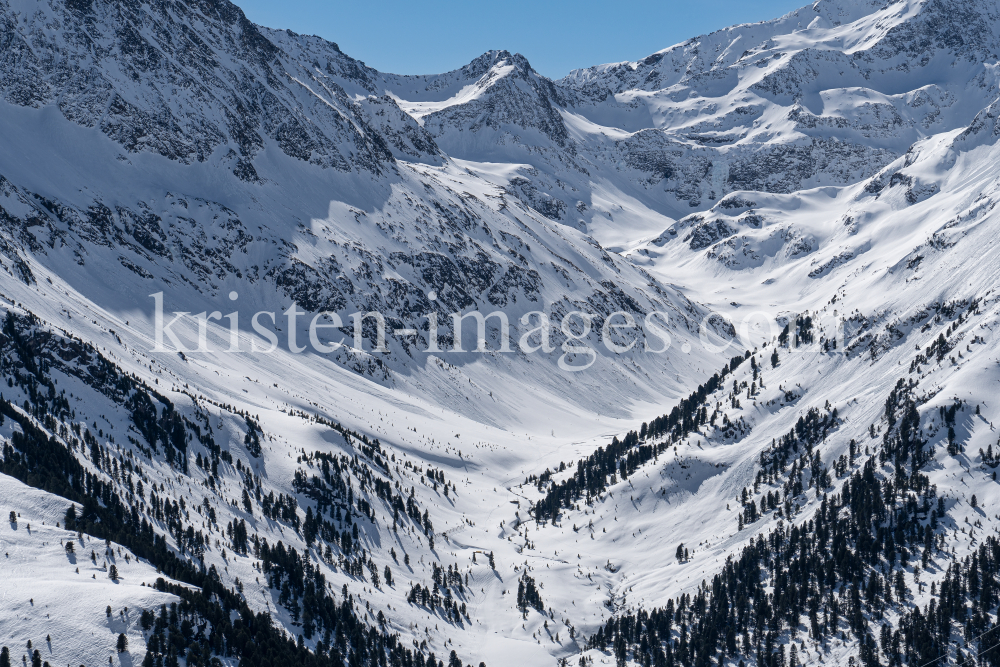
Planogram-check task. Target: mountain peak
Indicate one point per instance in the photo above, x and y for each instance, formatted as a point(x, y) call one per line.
point(479, 66)
point(680, 274)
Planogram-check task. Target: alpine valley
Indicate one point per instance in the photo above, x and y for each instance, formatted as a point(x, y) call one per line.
point(787, 459)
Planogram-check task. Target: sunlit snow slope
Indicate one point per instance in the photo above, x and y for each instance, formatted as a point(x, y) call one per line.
point(810, 202)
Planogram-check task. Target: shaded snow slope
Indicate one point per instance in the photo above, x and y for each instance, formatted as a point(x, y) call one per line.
point(835, 164)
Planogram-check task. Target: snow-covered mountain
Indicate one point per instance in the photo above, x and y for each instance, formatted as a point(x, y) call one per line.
point(804, 475)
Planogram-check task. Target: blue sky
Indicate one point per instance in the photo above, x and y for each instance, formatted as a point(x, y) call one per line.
point(433, 36)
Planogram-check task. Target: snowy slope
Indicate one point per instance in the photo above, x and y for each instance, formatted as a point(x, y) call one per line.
point(49, 592)
point(835, 164)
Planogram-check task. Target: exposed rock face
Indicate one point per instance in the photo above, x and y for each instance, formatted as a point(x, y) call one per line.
point(233, 155)
point(191, 81)
point(756, 107)
point(802, 212)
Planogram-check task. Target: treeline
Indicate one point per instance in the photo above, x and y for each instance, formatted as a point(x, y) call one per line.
point(334, 495)
point(837, 574)
point(623, 457)
point(451, 609)
point(211, 619)
point(372, 449)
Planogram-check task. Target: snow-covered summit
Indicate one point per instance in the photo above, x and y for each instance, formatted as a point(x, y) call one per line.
point(809, 204)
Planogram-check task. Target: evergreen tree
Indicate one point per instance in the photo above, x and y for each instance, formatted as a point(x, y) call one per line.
point(527, 594)
point(122, 644)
